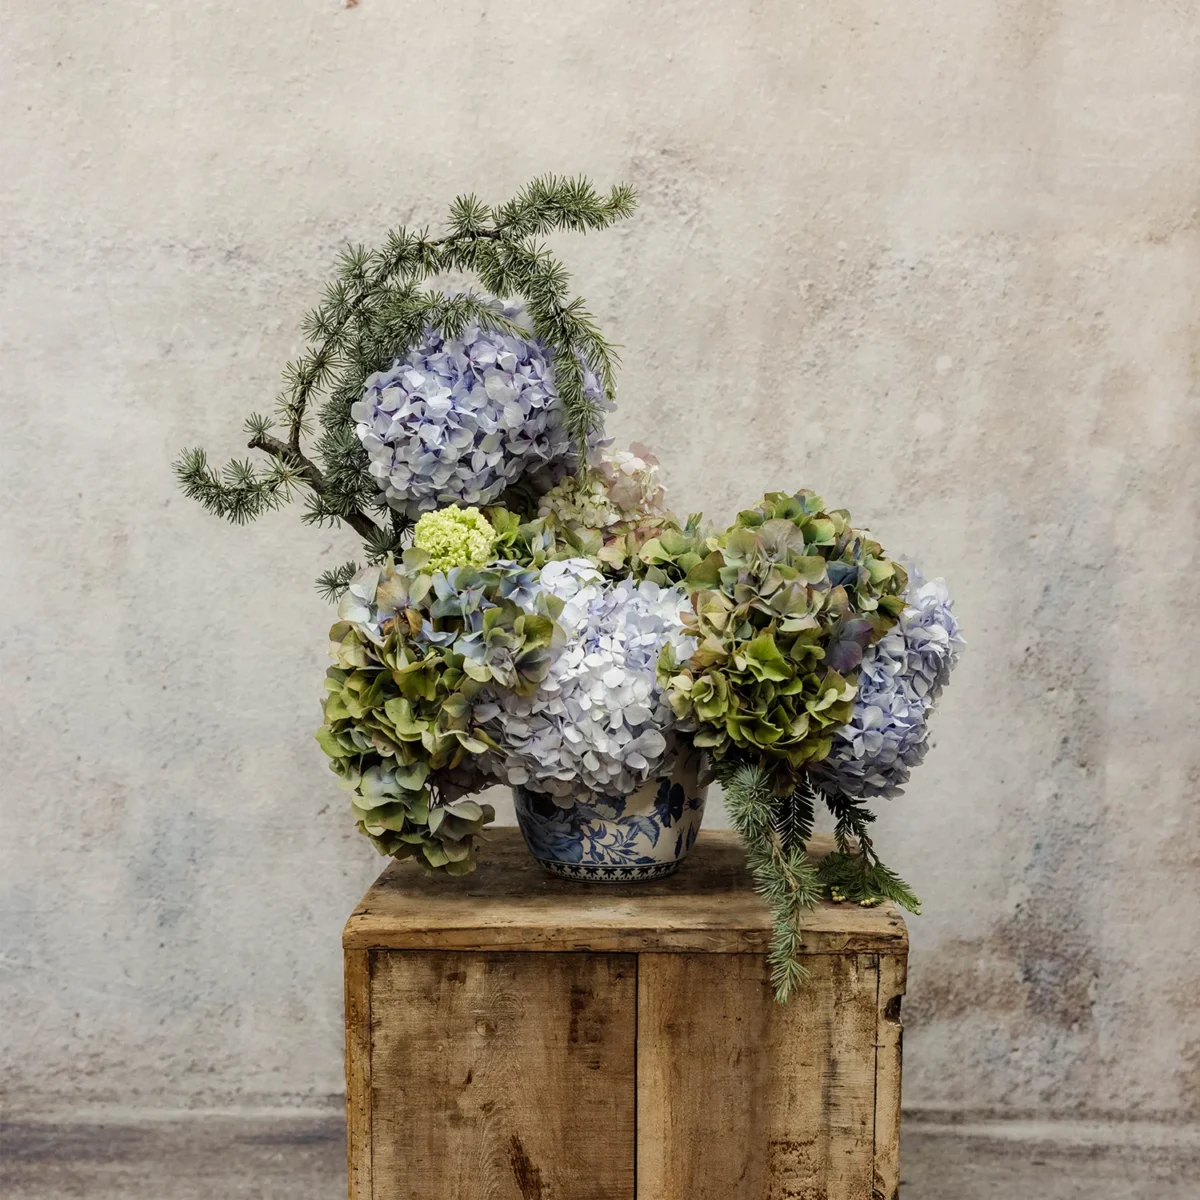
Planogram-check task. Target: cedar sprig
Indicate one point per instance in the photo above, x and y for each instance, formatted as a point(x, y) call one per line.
point(375, 309)
point(332, 584)
point(239, 492)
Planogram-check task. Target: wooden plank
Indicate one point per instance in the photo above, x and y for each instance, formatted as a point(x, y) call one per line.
point(888, 1056)
point(740, 1098)
point(511, 904)
point(358, 1073)
point(503, 1076)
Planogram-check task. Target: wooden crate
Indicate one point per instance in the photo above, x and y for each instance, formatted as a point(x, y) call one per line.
point(511, 1036)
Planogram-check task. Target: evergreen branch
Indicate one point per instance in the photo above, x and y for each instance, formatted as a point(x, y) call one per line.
point(317, 513)
point(238, 493)
point(863, 880)
point(527, 269)
point(332, 584)
point(308, 472)
point(852, 821)
point(280, 450)
point(387, 541)
point(795, 814)
point(856, 872)
point(348, 485)
point(256, 424)
point(774, 830)
point(549, 203)
point(373, 311)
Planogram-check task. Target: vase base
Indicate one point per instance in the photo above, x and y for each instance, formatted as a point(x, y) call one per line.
point(602, 873)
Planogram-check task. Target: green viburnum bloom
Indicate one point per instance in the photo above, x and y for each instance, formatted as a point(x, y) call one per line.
point(455, 537)
point(783, 604)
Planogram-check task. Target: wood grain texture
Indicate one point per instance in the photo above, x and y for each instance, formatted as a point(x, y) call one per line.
point(889, 1049)
point(358, 1073)
point(743, 1099)
point(510, 903)
point(501, 1076)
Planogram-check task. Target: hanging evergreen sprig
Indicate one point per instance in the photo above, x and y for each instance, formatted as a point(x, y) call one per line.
point(774, 829)
point(375, 309)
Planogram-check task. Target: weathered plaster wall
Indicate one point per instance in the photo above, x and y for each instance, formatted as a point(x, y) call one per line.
point(936, 260)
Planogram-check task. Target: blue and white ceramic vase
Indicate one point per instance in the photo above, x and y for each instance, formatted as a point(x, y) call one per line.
point(616, 839)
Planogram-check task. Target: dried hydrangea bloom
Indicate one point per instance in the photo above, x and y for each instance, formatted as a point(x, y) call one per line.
point(618, 492)
point(599, 721)
point(461, 420)
point(899, 682)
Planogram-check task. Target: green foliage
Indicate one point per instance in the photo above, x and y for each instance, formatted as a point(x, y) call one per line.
point(783, 604)
point(773, 813)
point(239, 492)
point(862, 879)
point(332, 584)
point(375, 308)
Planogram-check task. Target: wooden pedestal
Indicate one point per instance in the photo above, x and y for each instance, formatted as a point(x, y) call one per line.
point(511, 1036)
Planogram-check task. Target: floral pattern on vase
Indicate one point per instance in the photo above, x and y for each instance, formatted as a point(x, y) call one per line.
point(615, 839)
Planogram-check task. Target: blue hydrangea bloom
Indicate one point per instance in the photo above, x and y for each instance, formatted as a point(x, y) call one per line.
point(459, 421)
point(899, 683)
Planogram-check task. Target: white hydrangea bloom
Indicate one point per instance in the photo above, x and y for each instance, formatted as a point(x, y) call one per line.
point(599, 722)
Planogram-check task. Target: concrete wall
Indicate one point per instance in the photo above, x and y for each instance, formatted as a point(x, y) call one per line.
point(940, 264)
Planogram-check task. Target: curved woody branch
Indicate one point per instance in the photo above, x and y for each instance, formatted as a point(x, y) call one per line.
point(286, 453)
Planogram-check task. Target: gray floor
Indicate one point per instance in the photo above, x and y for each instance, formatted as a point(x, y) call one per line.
point(302, 1158)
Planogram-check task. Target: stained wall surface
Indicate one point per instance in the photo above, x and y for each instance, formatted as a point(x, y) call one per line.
point(938, 261)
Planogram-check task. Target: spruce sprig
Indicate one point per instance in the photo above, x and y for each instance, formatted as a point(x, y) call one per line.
point(376, 308)
point(855, 872)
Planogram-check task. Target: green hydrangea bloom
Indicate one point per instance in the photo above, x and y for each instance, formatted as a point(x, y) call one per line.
point(418, 655)
point(455, 537)
point(784, 603)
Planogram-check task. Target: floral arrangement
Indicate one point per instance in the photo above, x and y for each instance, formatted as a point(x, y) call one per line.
point(531, 612)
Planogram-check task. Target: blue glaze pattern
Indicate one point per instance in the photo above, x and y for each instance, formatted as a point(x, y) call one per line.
point(615, 839)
